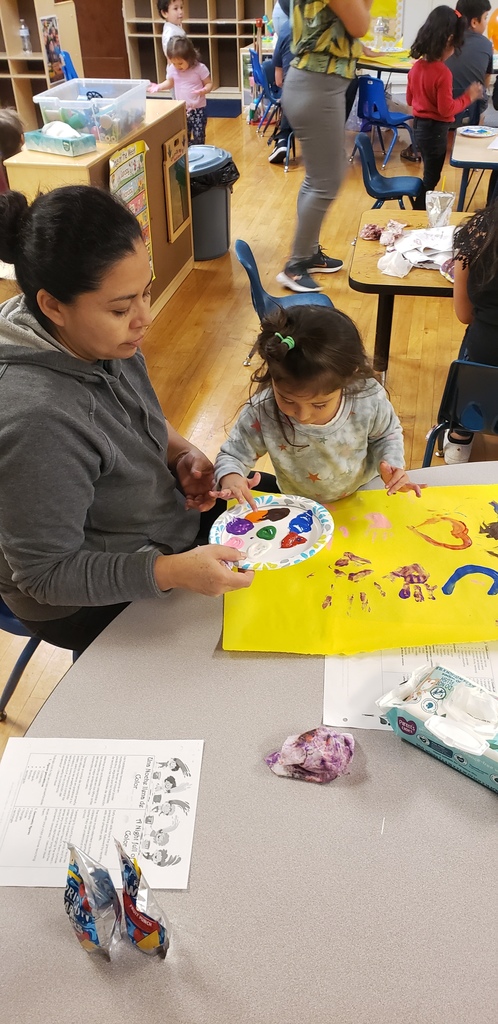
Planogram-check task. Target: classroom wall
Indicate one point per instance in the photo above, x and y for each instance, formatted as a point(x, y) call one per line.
point(414, 15)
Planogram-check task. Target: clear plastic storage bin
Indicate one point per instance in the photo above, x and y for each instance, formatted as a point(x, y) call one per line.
point(108, 108)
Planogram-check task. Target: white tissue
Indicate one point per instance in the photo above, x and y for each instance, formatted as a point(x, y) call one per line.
point(60, 130)
point(394, 264)
point(474, 708)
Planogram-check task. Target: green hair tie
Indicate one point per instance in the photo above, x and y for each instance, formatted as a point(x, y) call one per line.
point(286, 341)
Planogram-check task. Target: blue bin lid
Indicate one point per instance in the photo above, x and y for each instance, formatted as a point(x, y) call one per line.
point(202, 159)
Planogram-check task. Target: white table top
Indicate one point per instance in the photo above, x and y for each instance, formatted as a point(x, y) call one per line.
point(301, 906)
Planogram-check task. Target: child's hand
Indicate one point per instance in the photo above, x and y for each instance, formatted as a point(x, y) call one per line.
point(199, 92)
point(233, 485)
point(475, 91)
point(398, 480)
point(153, 87)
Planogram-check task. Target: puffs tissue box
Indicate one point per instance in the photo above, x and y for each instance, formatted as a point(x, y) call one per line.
point(43, 143)
point(450, 717)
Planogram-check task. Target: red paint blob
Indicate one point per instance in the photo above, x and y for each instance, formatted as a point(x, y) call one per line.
point(291, 540)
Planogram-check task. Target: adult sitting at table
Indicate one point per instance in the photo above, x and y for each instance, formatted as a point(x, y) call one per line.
point(102, 502)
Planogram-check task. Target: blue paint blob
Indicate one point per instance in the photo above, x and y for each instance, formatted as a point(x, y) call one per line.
point(467, 570)
point(302, 523)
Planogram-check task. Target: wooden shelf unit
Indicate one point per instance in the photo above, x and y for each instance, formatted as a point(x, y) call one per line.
point(23, 75)
point(219, 29)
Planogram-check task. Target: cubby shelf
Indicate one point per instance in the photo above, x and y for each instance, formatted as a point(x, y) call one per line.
point(26, 73)
point(218, 28)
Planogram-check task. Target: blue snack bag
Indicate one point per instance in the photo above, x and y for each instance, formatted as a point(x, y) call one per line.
point(146, 925)
point(91, 903)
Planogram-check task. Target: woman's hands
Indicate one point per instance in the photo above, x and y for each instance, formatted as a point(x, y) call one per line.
point(233, 485)
point(195, 474)
point(202, 570)
point(398, 480)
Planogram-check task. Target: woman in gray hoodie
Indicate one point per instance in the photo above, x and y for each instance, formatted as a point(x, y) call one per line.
point(102, 502)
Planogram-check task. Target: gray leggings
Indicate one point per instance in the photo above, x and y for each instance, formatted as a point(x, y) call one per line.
point(315, 104)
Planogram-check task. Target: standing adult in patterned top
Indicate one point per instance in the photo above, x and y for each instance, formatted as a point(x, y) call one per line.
point(326, 49)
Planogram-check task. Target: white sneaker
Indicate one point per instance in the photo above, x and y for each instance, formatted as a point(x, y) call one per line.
point(454, 453)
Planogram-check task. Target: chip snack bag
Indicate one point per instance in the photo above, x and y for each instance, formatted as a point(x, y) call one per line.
point(91, 903)
point(146, 925)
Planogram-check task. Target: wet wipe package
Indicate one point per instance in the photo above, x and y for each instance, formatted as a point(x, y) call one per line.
point(449, 716)
point(146, 925)
point(91, 903)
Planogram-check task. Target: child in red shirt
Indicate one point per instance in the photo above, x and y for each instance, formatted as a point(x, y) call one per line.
point(430, 90)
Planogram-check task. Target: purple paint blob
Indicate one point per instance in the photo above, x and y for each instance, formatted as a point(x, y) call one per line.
point(302, 523)
point(239, 527)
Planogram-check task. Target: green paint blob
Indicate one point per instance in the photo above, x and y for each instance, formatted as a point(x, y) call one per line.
point(267, 532)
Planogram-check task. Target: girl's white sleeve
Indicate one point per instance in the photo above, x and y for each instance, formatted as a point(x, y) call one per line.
point(243, 447)
point(385, 438)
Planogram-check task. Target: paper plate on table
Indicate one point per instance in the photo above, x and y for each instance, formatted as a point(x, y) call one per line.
point(285, 530)
point(477, 131)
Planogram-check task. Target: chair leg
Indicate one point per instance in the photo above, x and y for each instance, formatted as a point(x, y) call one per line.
point(381, 140)
point(16, 674)
point(393, 140)
point(401, 204)
point(436, 434)
point(353, 154)
point(378, 203)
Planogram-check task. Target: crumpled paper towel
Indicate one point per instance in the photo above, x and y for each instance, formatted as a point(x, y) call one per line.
point(320, 755)
point(394, 264)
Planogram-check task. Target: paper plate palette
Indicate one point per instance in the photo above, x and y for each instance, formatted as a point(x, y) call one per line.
point(477, 131)
point(284, 530)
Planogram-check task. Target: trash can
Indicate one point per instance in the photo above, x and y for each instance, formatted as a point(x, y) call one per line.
point(212, 174)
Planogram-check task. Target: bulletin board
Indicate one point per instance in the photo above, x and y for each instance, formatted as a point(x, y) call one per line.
point(391, 9)
point(176, 184)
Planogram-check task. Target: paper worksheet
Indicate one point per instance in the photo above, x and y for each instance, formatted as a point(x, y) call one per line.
point(494, 143)
point(353, 684)
point(90, 792)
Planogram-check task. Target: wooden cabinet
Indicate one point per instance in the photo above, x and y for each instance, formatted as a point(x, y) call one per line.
point(30, 172)
point(23, 75)
point(218, 28)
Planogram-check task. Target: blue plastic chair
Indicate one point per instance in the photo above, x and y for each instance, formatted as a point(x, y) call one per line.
point(379, 187)
point(469, 403)
point(375, 113)
point(10, 624)
point(269, 91)
point(264, 303)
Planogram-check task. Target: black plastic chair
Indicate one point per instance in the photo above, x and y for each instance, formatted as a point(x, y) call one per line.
point(374, 112)
point(379, 187)
point(265, 303)
point(469, 403)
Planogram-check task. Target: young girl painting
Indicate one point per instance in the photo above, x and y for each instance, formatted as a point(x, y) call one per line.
point(430, 90)
point(318, 411)
point(191, 81)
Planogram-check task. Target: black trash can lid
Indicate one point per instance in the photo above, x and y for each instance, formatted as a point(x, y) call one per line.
point(202, 159)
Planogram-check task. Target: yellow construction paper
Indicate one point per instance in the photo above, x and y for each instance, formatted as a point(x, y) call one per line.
point(404, 550)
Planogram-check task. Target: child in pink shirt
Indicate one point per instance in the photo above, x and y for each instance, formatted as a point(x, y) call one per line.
point(191, 81)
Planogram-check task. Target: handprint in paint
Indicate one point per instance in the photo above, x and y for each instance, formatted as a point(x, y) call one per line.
point(416, 577)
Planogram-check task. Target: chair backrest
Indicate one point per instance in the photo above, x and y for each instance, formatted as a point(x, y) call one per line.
point(368, 165)
point(469, 398)
point(372, 103)
point(257, 71)
point(261, 301)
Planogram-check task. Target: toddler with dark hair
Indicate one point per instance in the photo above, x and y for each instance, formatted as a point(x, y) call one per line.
point(318, 412)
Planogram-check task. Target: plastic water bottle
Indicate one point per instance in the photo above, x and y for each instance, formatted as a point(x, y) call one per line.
point(25, 37)
point(378, 34)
